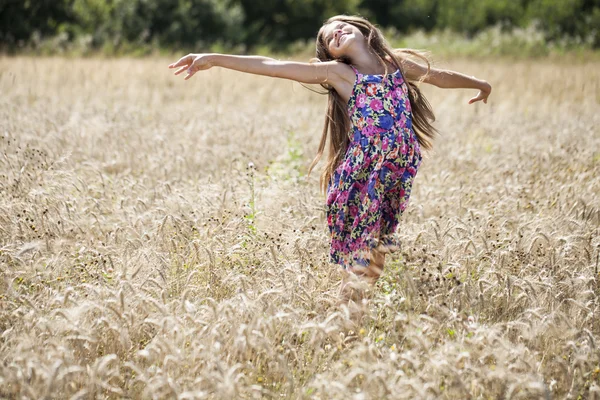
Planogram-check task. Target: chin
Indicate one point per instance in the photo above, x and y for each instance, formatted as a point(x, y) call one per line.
point(349, 39)
point(344, 46)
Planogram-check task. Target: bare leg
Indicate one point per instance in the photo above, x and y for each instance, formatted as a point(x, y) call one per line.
point(376, 264)
point(369, 275)
point(373, 271)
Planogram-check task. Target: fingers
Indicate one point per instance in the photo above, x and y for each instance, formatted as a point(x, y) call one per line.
point(180, 70)
point(177, 64)
point(190, 63)
point(479, 97)
point(196, 65)
point(183, 61)
point(186, 66)
point(191, 72)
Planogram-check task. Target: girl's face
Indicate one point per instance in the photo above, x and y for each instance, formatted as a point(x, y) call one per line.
point(339, 36)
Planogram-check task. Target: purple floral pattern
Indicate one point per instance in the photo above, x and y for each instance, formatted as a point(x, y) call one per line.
point(370, 188)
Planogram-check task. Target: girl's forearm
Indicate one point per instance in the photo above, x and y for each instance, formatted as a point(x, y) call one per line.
point(455, 80)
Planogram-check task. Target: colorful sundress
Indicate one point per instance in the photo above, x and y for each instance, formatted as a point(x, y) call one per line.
point(370, 188)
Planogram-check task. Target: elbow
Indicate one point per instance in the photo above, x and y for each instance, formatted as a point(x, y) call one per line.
point(273, 68)
point(438, 78)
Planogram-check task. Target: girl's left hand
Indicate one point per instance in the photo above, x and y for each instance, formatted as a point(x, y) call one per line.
point(483, 94)
point(192, 63)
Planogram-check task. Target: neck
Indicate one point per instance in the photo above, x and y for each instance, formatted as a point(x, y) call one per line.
point(365, 60)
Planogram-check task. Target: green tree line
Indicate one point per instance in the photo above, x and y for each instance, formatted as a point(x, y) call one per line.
point(245, 24)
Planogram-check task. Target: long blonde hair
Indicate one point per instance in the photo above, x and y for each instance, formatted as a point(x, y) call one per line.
point(337, 123)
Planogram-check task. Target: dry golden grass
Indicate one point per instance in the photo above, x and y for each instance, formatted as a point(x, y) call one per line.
point(142, 258)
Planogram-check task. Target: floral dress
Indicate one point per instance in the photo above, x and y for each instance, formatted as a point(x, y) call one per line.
point(370, 188)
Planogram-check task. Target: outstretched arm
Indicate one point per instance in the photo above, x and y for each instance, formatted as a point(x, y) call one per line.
point(331, 72)
point(447, 79)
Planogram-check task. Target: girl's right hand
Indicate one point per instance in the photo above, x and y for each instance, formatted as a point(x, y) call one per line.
point(191, 63)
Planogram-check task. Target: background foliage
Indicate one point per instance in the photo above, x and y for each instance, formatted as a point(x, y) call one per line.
point(127, 25)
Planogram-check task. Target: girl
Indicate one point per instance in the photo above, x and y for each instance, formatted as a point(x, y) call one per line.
point(377, 122)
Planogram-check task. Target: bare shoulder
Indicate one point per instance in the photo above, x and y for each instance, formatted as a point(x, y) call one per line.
point(411, 67)
point(338, 72)
point(409, 56)
point(340, 76)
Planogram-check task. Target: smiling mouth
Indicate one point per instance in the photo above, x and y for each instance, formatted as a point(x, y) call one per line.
point(340, 38)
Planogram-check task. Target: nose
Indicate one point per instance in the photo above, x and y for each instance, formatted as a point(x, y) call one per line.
point(337, 33)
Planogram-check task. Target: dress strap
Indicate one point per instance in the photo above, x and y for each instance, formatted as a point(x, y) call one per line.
point(355, 70)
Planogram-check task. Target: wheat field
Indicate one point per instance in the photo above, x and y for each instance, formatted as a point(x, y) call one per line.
point(159, 238)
